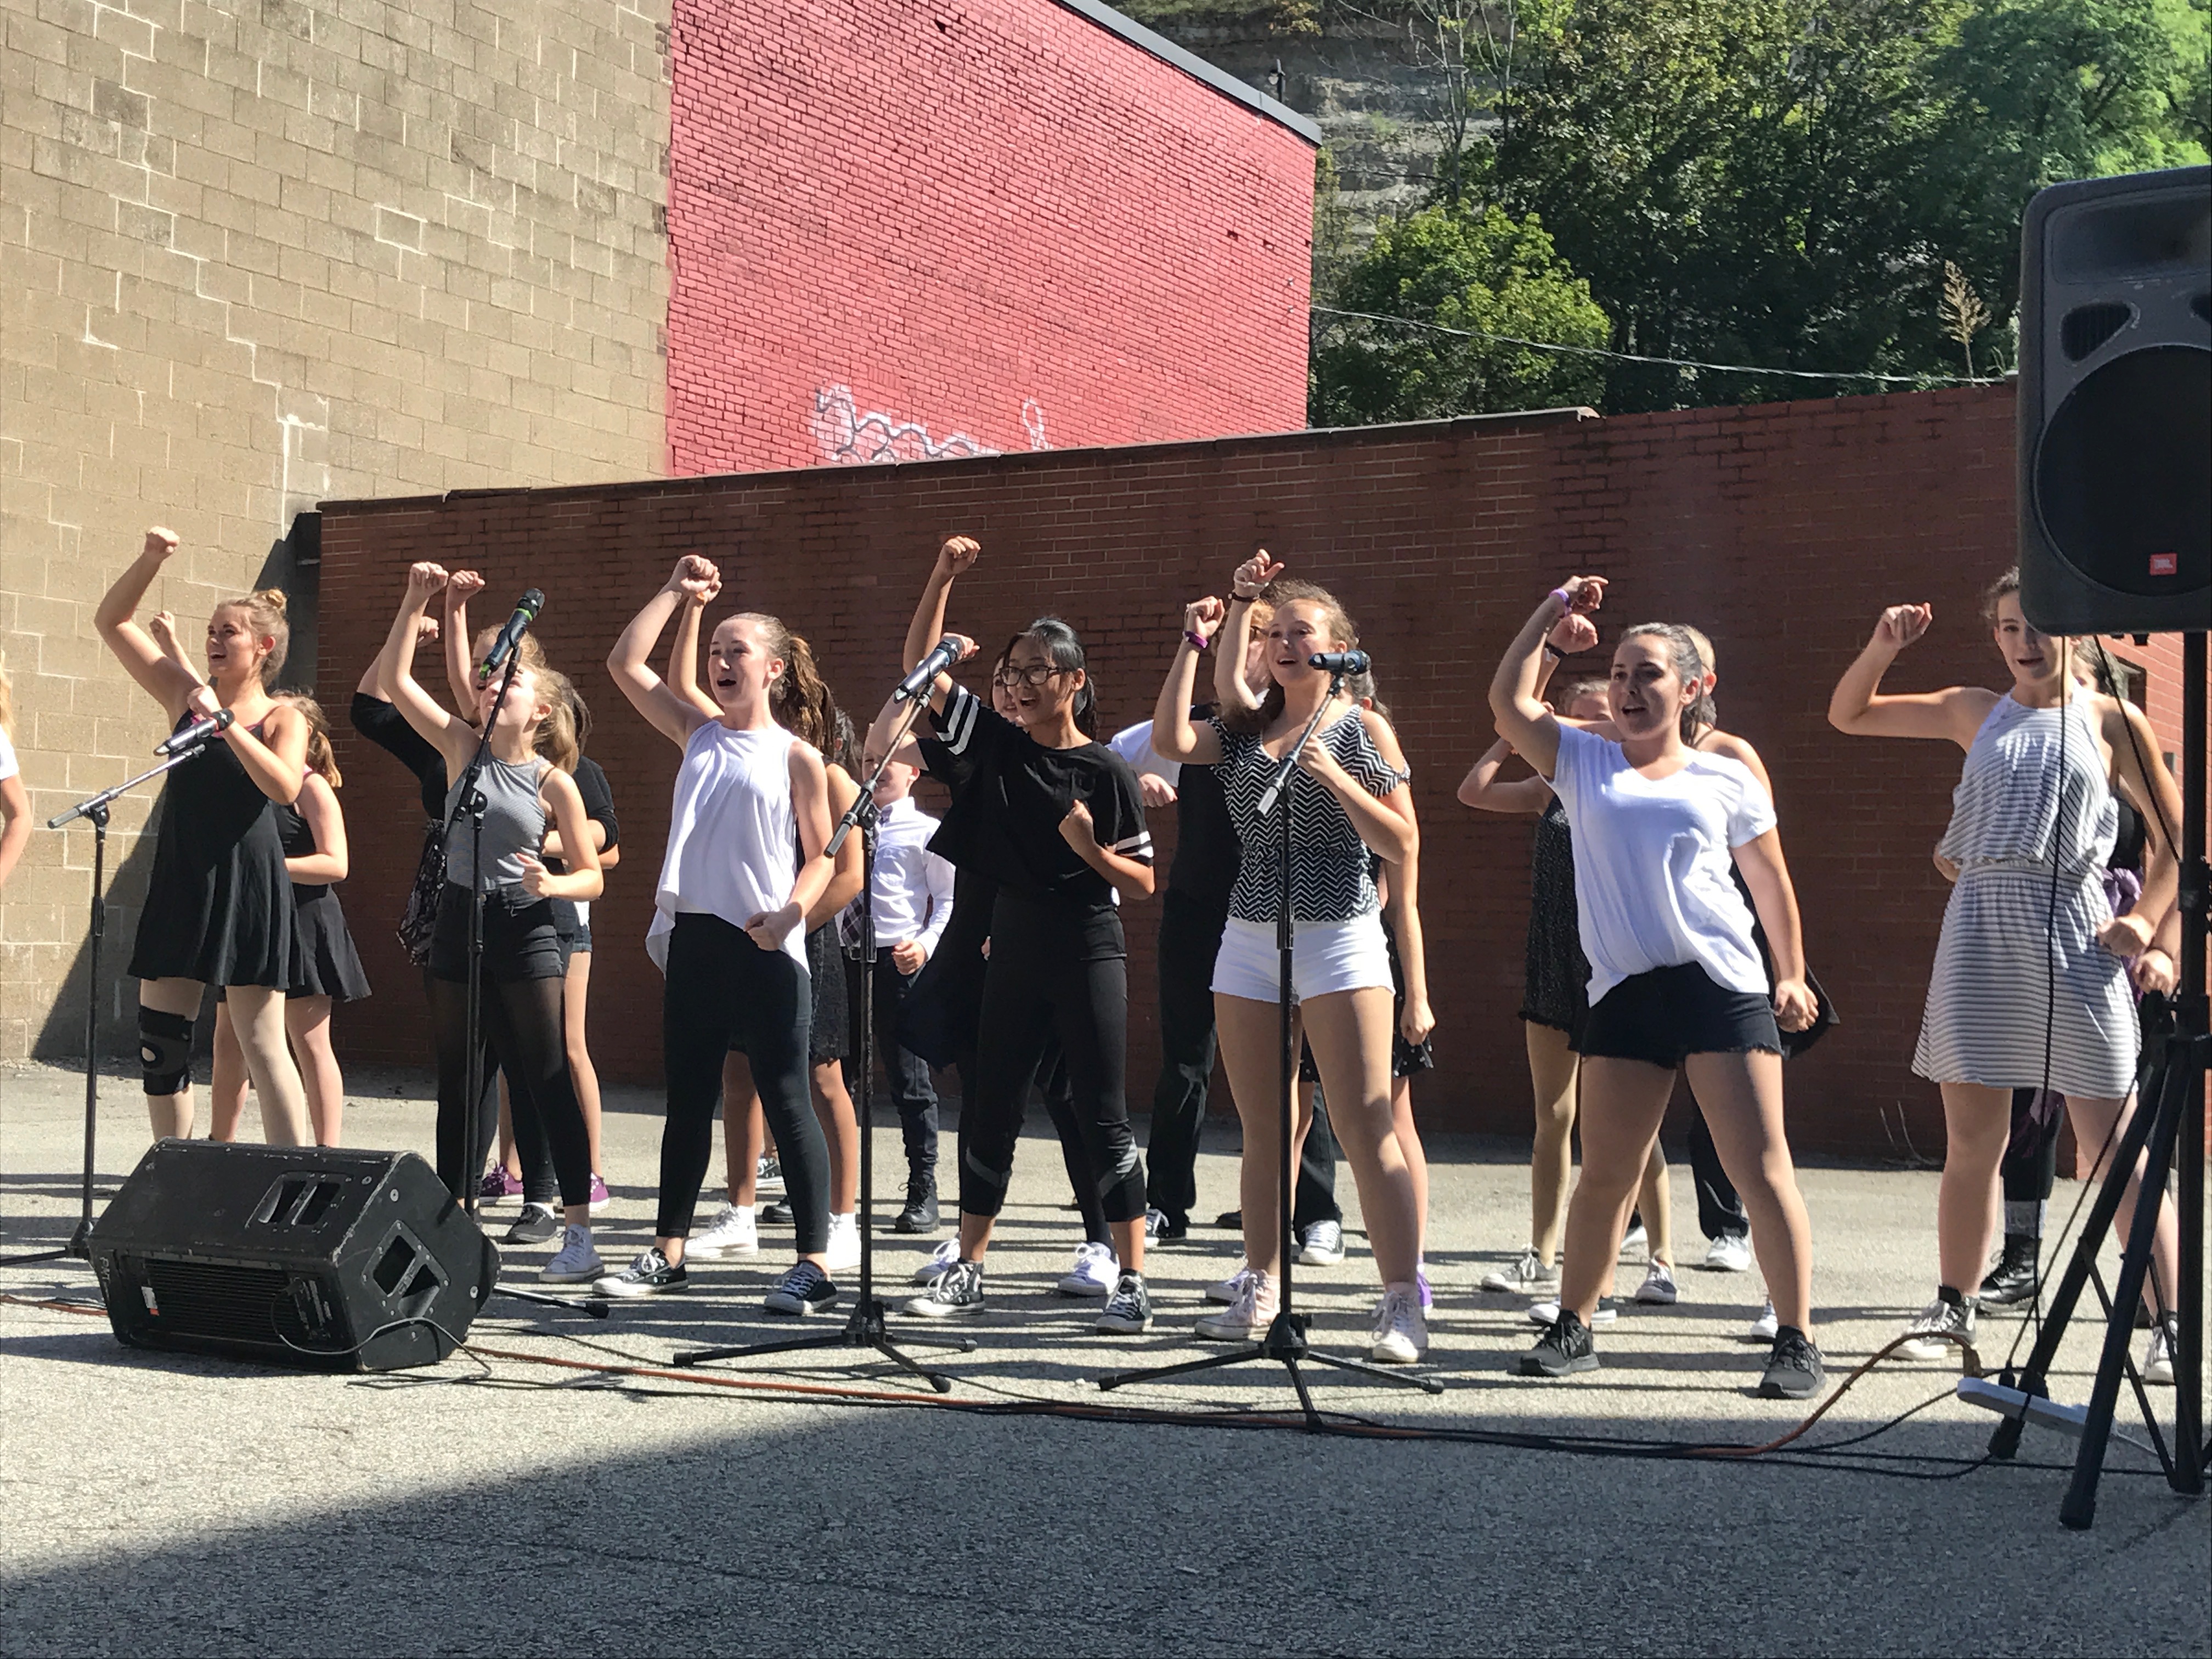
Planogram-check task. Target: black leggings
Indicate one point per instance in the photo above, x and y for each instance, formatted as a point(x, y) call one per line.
point(1059, 1106)
point(1037, 984)
point(521, 1030)
point(724, 992)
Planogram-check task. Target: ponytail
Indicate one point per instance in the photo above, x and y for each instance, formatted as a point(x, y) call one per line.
point(320, 760)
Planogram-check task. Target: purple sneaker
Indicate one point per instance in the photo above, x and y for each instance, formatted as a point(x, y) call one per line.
point(498, 1185)
point(600, 1199)
point(1428, 1296)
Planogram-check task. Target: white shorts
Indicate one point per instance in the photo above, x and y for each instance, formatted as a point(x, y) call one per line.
point(1325, 956)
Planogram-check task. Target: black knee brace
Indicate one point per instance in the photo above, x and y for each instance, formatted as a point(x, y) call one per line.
point(164, 1051)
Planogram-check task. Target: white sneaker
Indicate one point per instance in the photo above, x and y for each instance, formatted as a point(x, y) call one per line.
point(1547, 1314)
point(1398, 1334)
point(843, 1249)
point(1939, 1321)
point(2158, 1358)
point(1231, 1288)
point(577, 1261)
point(936, 1261)
point(1658, 1288)
point(1634, 1242)
point(1526, 1276)
point(1728, 1254)
point(1094, 1275)
point(735, 1230)
point(1247, 1318)
point(1764, 1328)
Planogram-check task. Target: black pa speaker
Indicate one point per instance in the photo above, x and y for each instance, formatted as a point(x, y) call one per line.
point(2115, 451)
point(316, 1257)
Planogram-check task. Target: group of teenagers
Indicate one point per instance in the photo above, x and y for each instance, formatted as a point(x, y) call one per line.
point(1663, 938)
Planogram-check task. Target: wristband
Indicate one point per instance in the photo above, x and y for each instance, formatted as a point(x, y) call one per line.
point(1198, 641)
point(1566, 599)
point(1553, 651)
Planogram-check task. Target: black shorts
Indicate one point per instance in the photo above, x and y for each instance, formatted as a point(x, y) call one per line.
point(1664, 1016)
point(520, 940)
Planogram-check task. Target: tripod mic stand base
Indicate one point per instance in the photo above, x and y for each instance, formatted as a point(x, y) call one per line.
point(865, 1328)
point(1284, 1343)
point(594, 1305)
point(78, 1248)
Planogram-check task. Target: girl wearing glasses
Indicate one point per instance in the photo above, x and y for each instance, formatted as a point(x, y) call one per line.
point(1056, 819)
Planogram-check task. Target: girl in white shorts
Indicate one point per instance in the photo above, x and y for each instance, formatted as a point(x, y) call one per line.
point(1347, 797)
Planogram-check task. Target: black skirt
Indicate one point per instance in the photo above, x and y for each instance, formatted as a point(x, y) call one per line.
point(328, 965)
point(218, 902)
point(831, 1037)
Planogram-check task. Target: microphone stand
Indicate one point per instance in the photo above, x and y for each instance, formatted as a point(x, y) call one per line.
point(471, 800)
point(1285, 1341)
point(867, 1328)
point(96, 809)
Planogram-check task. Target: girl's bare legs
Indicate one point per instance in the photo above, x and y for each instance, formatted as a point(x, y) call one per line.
point(1350, 1031)
point(1551, 1072)
point(257, 1015)
point(171, 1115)
point(1251, 1051)
point(1417, 1159)
point(307, 1021)
point(1622, 1103)
point(586, 1075)
point(1976, 1124)
point(2098, 1123)
point(833, 1109)
point(1653, 1197)
point(1741, 1095)
point(745, 1130)
point(509, 1159)
point(227, 1089)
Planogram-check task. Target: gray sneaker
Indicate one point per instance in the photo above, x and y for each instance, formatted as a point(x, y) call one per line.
point(1526, 1276)
point(1129, 1310)
point(1322, 1245)
point(1932, 1335)
point(956, 1294)
point(1794, 1369)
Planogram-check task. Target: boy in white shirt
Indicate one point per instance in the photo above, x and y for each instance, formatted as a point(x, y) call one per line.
point(912, 895)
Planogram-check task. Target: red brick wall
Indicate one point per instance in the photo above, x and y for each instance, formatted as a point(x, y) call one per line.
point(1781, 529)
point(993, 226)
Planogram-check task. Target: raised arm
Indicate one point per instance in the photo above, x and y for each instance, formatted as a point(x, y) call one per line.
point(453, 737)
point(684, 654)
point(319, 805)
point(1775, 898)
point(954, 559)
point(1248, 582)
point(459, 652)
point(1524, 719)
point(1858, 706)
point(666, 713)
point(371, 684)
point(157, 675)
point(1176, 737)
point(1481, 790)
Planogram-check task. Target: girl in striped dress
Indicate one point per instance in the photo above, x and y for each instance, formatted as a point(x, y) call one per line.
point(2029, 986)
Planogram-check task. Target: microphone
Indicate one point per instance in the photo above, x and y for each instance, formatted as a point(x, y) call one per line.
point(526, 612)
point(196, 733)
point(917, 684)
point(1347, 663)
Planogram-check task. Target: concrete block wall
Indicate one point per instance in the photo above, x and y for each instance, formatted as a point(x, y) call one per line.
point(1781, 529)
point(255, 252)
point(904, 229)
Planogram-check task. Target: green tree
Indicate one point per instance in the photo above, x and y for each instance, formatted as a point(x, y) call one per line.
point(1477, 270)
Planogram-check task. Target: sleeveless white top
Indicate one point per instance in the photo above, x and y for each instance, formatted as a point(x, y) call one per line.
point(733, 835)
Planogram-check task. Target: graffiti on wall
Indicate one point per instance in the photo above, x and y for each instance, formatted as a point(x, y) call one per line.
point(848, 437)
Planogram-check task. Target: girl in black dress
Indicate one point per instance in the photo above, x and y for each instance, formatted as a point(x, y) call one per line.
point(519, 1009)
point(219, 902)
point(1058, 819)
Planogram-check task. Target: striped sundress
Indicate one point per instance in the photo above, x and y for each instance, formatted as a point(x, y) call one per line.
point(2009, 961)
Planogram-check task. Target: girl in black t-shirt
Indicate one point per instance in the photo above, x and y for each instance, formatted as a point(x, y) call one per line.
point(1054, 817)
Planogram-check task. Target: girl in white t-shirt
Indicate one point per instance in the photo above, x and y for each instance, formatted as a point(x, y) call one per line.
point(1676, 983)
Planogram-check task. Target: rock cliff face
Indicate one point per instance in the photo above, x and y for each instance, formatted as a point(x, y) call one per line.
point(1353, 70)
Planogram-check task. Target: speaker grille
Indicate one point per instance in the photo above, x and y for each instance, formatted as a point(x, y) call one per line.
point(2088, 328)
point(216, 1300)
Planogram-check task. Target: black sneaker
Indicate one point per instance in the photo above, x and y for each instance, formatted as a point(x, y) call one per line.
point(1161, 1228)
point(650, 1275)
point(768, 1178)
point(2012, 1281)
point(920, 1215)
point(536, 1225)
point(1129, 1310)
point(1564, 1350)
point(804, 1289)
point(1794, 1370)
point(777, 1214)
point(956, 1294)
point(1233, 1221)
